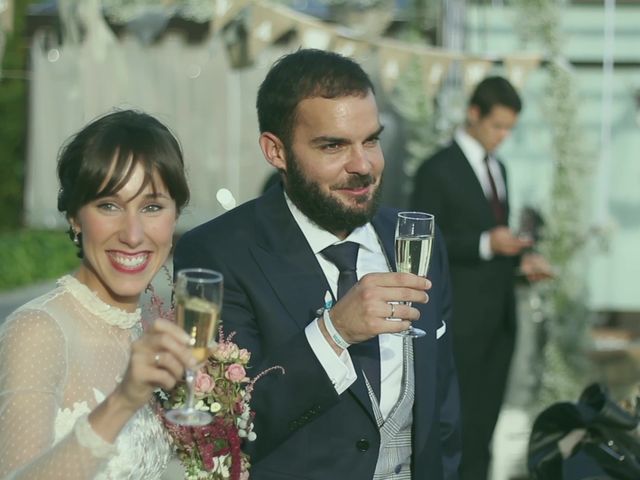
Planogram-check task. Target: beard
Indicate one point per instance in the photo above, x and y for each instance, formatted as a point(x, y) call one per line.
point(324, 210)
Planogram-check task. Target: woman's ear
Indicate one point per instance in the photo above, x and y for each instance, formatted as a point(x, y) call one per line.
point(273, 150)
point(75, 226)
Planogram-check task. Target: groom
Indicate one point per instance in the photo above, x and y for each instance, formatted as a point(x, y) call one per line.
point(309, 286)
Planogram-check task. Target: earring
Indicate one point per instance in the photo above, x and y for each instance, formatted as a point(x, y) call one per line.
point(76, 238)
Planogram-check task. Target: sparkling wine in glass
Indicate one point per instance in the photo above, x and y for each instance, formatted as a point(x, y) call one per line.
point(414, 239)
point(198, 295)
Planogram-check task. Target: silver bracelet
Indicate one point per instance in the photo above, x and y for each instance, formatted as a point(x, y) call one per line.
point(333, 333)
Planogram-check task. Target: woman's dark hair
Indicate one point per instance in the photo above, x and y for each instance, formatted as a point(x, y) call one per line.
point(306, 73)
point(108, 150)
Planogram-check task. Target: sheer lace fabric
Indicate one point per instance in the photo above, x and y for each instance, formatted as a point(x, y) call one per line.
point(60, 354)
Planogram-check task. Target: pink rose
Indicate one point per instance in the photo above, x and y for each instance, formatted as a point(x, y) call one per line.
point(235, 372)
point(203, 384)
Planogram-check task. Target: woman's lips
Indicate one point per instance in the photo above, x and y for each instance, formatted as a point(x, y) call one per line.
point(129, 263)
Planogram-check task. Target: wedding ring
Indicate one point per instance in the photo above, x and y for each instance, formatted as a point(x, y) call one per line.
point(393, 310)
point(156, 359)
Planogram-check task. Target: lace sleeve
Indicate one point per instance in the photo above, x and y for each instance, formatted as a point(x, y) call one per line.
point(33, 369)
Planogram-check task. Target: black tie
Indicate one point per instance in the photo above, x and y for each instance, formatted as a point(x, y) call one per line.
point(496, 203)
point(345, 256)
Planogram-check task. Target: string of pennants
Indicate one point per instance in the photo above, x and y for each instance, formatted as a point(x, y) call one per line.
point(266, 22)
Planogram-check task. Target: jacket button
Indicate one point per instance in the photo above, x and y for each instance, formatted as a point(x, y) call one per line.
point(362, 444)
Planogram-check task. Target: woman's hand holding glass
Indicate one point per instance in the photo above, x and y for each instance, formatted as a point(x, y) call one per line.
point(158, 360)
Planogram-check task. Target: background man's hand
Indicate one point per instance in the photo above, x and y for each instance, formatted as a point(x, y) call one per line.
point(535, 267)
point(503, 242)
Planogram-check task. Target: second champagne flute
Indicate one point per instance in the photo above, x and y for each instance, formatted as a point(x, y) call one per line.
point(414, 238)
point(198, 294)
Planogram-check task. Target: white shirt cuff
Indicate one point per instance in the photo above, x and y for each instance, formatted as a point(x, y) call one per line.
point(485, 246)
point(339, 368)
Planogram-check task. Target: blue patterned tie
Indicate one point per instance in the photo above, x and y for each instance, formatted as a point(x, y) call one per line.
point(345, 256)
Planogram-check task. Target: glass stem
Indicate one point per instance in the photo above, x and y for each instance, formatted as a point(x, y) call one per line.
point(189, 377)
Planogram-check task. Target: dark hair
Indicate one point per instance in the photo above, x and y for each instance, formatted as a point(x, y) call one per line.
point(494, 91)
point(109, 149)
point(306, 73)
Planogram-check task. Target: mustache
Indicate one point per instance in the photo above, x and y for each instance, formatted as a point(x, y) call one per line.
point(356, 181)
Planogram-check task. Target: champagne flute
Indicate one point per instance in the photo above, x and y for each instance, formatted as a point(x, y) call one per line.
point(414, 238)
point(198, 294)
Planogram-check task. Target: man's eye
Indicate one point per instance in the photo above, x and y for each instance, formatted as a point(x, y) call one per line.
point(372, 142)
point(331, 146)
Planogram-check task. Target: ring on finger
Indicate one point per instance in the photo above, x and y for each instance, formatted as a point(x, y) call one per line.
point(393, 310)
point(156, 359)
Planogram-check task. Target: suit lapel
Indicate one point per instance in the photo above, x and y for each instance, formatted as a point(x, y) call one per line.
point(466, 176)
point(287, 261)
point(290, 266)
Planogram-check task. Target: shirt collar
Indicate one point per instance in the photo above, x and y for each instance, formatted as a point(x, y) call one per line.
point(319, 239)
point(471, 148)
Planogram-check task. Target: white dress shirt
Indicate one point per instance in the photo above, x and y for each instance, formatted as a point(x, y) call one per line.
point(475, 153)
point(371, 258)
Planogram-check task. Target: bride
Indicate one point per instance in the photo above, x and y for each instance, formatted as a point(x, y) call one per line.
point(76, 371)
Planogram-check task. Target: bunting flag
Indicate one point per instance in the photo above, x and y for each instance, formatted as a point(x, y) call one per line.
point(474, 70)
point(313, 33)
point(350, 47)
point(225, 11)
point(394, 58)
point(369, 23)
point(267, 23)
point(519, 66)
point(434, 64)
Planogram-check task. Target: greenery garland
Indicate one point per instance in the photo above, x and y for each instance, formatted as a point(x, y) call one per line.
point(566, 227)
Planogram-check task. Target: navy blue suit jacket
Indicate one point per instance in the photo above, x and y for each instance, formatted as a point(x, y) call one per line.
point(483, 298)
point(273, 287)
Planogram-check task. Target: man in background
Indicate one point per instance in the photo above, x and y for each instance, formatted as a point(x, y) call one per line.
point(465, 186)
point(356, 401)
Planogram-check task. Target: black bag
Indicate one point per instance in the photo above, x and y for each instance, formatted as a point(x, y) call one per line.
point(609, 450)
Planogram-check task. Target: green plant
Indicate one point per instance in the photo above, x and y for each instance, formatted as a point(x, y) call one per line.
point(29, 256)
point(567, 229)
point(13, 127)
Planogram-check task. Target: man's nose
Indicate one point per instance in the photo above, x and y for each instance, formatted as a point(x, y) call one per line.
point(359, 161)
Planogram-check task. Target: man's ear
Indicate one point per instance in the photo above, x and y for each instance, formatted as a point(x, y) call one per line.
point(273, 150)
point(473, 114)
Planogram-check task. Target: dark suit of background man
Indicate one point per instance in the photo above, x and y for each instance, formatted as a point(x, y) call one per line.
point(386, 407)
point(465, 186)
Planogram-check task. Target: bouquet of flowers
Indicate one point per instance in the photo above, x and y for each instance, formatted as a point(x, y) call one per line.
point(222, 387)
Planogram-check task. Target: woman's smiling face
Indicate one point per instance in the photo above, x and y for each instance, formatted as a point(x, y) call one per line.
point(126, 238)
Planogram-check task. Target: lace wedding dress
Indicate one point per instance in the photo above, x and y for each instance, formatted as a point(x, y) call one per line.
point(60, 355)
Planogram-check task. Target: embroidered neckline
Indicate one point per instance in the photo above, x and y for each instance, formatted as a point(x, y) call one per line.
point(111, 315)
